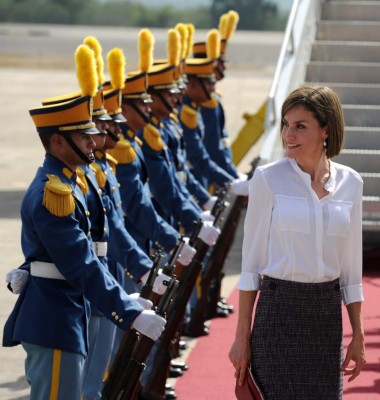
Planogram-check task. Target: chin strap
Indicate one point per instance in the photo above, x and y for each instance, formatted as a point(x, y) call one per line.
point(112, 136)
point(221, 73)
point(86, 159)
point(142, 115)
point(164, 101)
point(203, 86)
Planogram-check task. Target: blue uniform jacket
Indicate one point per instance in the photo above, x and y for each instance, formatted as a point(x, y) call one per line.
point(206, 171)
point(55, 313)
point(141, 219)
point(216, 135)
point(175, 143)
point(168, 192)
point(97, 216)
point(122, 248)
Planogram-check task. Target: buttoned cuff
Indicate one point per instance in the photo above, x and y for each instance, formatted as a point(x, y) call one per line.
point(249, 281)
point(352, 294)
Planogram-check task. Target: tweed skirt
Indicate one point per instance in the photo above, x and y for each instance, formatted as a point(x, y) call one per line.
point(297, 348)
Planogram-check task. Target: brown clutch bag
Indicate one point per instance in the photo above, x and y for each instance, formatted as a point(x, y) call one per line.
point(250, 389)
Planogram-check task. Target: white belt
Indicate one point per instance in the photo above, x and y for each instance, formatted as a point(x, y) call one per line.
point(226, 142)
point(100, 248)
point(42, 269)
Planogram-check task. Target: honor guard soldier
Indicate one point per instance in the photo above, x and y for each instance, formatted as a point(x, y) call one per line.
point(171, 197)
point(172, 128)
point(141, 219)
point(51, 315)
point(216, 139)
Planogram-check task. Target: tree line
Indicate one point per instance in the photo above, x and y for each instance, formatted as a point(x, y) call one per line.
point(254, 14)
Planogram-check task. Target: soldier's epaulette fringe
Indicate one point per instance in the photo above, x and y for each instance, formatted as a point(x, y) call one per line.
point(112, 162)
point(81, 180)
point(152, 137)
point(212, 103)
point(124, 153)
point(188, 117)
point(58, 197)
point(174, 117)
point(138, 141)
point(100, 176)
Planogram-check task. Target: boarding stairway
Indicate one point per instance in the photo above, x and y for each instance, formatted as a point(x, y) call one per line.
point(338, 46)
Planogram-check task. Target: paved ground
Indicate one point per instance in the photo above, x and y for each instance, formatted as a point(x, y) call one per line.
point(41, 56)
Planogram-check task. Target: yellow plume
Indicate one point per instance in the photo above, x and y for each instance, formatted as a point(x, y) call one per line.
point(231, 24)
point(174, 47)
point(222, 25)
point(116, 67)
point(145, 47)
point(184, 32)
point(86, 70)
point(190, 39)
point(93, 43)
point(213, 44)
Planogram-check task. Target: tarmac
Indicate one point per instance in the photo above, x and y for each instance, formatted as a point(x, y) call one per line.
point(35, 64)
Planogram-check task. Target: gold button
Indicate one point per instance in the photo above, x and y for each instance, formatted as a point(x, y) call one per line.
point(116, 317)
point(105, 230)
point(121, 320)
point(87, 213)
point(119, 185)
point(113, 313)
point(104, 210)
point(113, 189)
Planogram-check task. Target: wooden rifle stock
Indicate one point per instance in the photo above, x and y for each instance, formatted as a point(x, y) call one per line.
point(135, 366)
point(207, 304)
point(154, 388)
point(113, 383)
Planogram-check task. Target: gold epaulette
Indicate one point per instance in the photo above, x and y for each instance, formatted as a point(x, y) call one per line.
point(100, 176)
point(152, 137)
point(124, 153)
point(82, 180)
point(112, 162)
point(58, 197)
point(212, 103)
point(188, 117)
point(174, 117)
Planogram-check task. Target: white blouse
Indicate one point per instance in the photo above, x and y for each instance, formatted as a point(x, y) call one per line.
point(291, 234)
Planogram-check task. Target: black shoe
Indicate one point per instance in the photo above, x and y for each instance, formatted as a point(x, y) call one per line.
point(179, 364)
point(170, 394)
point(226, 307)
point(221, 313)
point(175, 372)
point(182, 345)
point(204, 332)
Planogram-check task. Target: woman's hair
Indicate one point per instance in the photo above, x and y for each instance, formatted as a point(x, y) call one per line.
point(327, 110)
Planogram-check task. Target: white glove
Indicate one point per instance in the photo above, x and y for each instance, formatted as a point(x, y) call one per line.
point(18, 279)
point(207, 216)
point(144, 303)
point(187, 253)
point(210, 203)
point(158, 286)
point(239, 187)
point(209, 233)
point(242, 176)
point(149, 324)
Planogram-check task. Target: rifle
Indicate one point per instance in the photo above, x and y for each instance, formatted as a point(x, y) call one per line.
point(130, 337)
point(154, 388)
point(132, 372)
point(207, 303)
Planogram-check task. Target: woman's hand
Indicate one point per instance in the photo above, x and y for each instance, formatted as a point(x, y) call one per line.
point(240, 357)
point(356, 353)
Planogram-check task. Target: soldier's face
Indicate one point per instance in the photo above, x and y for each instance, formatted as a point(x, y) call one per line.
point(86, 145)
point(115, 129)
point(99, 140)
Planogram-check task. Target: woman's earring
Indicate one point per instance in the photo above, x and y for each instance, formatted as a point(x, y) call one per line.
point(325, 144)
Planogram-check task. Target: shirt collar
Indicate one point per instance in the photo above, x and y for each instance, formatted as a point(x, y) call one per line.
point(329, 185)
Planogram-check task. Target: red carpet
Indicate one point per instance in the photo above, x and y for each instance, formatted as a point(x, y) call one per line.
point(211, 376)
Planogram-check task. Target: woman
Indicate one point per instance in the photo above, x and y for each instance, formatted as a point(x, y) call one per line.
point(302, 249)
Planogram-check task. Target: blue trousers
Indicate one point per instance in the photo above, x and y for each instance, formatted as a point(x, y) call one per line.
point(53, 374)
point(101, 335)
